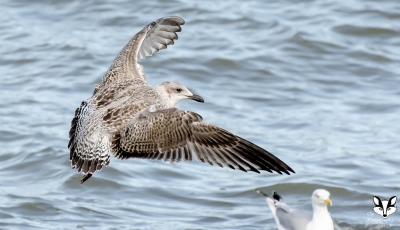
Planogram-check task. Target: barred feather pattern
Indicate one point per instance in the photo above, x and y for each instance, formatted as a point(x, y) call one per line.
point(175, 135)
point(131, 119)
point(89, 148)
point(122, 93)
point(92, 127)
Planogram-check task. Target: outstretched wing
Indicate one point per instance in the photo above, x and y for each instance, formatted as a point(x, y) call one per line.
point(175, 135)
point(151, 39)
point(160, 33)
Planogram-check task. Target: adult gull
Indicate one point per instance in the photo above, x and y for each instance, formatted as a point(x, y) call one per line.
point(131, 119)
point(288, 218)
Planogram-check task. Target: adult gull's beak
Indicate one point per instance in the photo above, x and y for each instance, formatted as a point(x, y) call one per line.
point(328, 201)
point(197, 98)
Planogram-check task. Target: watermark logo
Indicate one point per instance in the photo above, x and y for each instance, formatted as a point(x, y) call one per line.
point(385, 207)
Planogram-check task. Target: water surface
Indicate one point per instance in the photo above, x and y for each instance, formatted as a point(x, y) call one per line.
point(314, 82)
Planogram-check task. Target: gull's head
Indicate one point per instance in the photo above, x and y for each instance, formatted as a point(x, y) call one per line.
point(175, 92)
point(320, 197)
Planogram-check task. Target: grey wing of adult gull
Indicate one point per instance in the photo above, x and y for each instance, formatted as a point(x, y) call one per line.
point(292, 219)
point(175, 135)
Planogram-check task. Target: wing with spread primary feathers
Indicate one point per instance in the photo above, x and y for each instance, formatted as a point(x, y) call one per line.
point(175, 135)
point(151, 39)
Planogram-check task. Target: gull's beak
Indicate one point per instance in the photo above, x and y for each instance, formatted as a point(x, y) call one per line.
point(328, 201)
point(197, 98)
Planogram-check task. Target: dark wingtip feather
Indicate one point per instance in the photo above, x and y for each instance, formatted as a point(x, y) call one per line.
point(287, 170)
point(86, 177)
point(259, 192)
point(277, 197)
point(260, 157)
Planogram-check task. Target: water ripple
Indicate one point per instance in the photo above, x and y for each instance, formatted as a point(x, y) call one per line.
point(315, 83)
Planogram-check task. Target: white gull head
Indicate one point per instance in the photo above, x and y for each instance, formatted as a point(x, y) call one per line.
point(171, 93)
point(320, 197)
point(321, 217)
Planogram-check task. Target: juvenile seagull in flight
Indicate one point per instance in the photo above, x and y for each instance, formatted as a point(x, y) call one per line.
point(131, 119)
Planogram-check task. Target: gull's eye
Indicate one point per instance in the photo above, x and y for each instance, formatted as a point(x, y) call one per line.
point(178, 90)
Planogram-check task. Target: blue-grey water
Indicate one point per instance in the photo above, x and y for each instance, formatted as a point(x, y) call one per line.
point(317, 83)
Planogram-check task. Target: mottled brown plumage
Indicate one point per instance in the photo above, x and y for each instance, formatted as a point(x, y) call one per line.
point(131, 119)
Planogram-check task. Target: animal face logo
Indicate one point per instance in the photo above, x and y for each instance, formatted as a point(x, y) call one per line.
point(385, 207)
